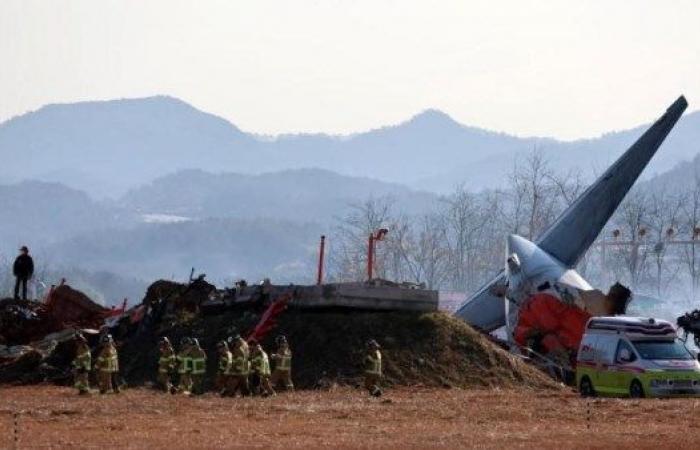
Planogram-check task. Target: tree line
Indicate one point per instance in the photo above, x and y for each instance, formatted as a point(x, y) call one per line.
point(649, 244)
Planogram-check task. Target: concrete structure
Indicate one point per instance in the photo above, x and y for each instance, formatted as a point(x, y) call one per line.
point(364, 296)
point(376, 296)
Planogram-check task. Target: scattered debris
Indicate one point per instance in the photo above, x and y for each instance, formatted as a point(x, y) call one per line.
point(690, 324)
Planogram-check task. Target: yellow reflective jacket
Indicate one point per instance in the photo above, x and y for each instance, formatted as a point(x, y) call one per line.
point(283, 360)
point(260, 363)
point(373, 363)
point(83, 358)
point(167, 360)
point(199, 361)
point(225, 362)
point(108, 359)
point(239, 363)
point(184, 362)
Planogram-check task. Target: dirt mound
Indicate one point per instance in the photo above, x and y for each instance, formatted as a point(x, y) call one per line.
point(432, 349)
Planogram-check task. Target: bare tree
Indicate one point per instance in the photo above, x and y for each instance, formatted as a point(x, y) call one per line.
point(533, 195)
point(464, 219)
point(663, 217)
point(631, 219)
point(348, 255)
point(691, 222)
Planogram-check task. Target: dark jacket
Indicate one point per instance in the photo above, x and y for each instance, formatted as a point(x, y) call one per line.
point(24, 266)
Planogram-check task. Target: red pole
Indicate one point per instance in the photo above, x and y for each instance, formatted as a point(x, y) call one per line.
point(319, 278)
point(370, 256)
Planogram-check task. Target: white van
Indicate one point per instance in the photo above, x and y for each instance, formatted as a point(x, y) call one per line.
point(636, 357)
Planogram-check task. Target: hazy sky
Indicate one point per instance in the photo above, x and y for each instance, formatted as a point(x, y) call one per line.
point(562, 68)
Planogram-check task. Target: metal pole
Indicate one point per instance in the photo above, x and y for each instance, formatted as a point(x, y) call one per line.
point(319, 277)
point(370, 256)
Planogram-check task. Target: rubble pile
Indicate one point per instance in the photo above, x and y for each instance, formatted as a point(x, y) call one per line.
point(172, 296)
point(36, 337)
point(68, 307)
point(430, 349)
point(20, 320)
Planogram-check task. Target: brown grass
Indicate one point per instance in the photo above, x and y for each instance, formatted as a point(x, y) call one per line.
point(54, 417)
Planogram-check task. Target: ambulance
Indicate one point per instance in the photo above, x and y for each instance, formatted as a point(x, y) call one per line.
point(635, 357)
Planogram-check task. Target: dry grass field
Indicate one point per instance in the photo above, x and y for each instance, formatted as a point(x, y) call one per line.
point(54, 417)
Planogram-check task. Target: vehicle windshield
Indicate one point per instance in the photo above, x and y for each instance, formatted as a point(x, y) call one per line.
point(662, 349)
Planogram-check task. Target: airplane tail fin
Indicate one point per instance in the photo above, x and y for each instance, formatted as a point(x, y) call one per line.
point(576, 229)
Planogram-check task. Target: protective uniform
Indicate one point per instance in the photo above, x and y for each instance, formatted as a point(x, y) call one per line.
point(167, 362)
point(282, 375)
point(238, 374)
point(373, 368)
point(199, 366)
point(223, 371)
point(82, 365)
point(107, 366)
point(184, 366)
point(260, 366)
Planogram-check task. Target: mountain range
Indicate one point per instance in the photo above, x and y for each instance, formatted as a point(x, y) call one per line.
point(107, 148)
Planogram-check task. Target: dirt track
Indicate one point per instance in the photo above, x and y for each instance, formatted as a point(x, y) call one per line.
point(54, 417)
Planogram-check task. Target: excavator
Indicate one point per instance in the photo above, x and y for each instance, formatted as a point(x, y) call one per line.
point(538, 296)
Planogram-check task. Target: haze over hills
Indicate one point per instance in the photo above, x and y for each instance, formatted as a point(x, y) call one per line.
point(298, 195)
point(45, 213)
point(234, 226)
point(50, 212)
point(106, 148)
point(681, 178)
point(224, 249)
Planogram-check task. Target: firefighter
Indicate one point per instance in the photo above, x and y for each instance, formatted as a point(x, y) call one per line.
point(167, 363)
point(373, 368)
point(107, 365)
point(244, 345)
point(199, 366)
point(223, 371)
point(238, 375)
point(260, 366)
point(184, 366)
point(282, 375)
point(82, 364)
point(265, 291)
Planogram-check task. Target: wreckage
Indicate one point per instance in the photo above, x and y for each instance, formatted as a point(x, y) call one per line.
point(33, 334)
point(538, 297)
point(327, 326)
point(690, 324)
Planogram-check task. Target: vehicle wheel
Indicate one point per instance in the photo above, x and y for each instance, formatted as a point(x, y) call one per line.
point(636, 389)
point(586, 388)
